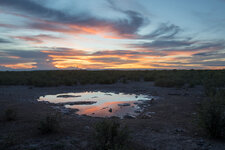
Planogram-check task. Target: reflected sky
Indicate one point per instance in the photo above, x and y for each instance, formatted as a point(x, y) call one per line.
point(107, 104)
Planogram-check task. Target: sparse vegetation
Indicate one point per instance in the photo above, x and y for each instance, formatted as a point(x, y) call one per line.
point(109, 135)
point(10, 114)
point(50, 124)
point(169, 83)
point(212, 115)
point(165, 78)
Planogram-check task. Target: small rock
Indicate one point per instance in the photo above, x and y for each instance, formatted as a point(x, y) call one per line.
point(129, 117)
point(146, 116)
point(108, 94)
point(77, 103)
point(141, 100)
point(104, 107)
point(124, 104)
point(68, 96)
point(137, 111)
point(110, 110)
point(152, 101)
point(150, 113)
point(179, 130)
point(114, 117)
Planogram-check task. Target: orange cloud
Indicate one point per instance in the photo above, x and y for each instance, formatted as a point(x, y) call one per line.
point(109, 59)
point(28, 65)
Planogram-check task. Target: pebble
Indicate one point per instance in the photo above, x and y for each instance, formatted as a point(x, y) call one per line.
point(124, 104)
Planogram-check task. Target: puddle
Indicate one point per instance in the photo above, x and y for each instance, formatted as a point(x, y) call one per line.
point(100, 104)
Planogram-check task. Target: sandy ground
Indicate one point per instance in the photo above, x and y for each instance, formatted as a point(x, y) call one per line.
point(172, 126)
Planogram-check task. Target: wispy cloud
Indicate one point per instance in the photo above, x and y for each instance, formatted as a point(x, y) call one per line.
point(52, 58)
point(140, 42)
point(2, 41)
point(37, 39)
point(54, 20)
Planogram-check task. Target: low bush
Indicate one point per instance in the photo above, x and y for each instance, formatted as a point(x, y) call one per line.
point(212, 116)
point(166, 78)
point(169, 83)
point(109, 135)
point(50, 124)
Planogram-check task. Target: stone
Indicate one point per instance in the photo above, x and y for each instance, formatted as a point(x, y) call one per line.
point(114, 117)
point(127, 116)
point(108, 94)
point(68, 96)
point(146, 116)
point(124, 104)
point(77, 103)
point(179, 130)
point(150, 113)
point(137, 111)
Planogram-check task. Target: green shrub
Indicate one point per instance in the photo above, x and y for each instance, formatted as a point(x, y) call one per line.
point(10, 114)
point(109, 135)
point(50, 124)
point(212, 117)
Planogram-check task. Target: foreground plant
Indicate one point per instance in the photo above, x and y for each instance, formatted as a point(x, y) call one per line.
point(212, 116)
point(50, 124)
point(109, 135)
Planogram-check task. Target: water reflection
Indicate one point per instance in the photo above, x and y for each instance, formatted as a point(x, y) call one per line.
point(99, 104)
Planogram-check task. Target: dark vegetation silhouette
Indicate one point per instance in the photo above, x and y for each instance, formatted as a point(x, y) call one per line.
point(210, 79)
point(50, 124)
point(211, 116)
point(110, 135)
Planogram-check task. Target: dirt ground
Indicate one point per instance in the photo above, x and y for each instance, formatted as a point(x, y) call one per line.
point(172, 126)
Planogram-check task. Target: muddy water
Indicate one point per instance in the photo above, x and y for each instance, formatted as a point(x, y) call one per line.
point(100, 104)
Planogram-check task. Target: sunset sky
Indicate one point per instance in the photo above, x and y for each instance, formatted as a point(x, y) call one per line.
point(112, 34)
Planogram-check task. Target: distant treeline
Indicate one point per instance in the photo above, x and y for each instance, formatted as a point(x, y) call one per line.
point(163, 78)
